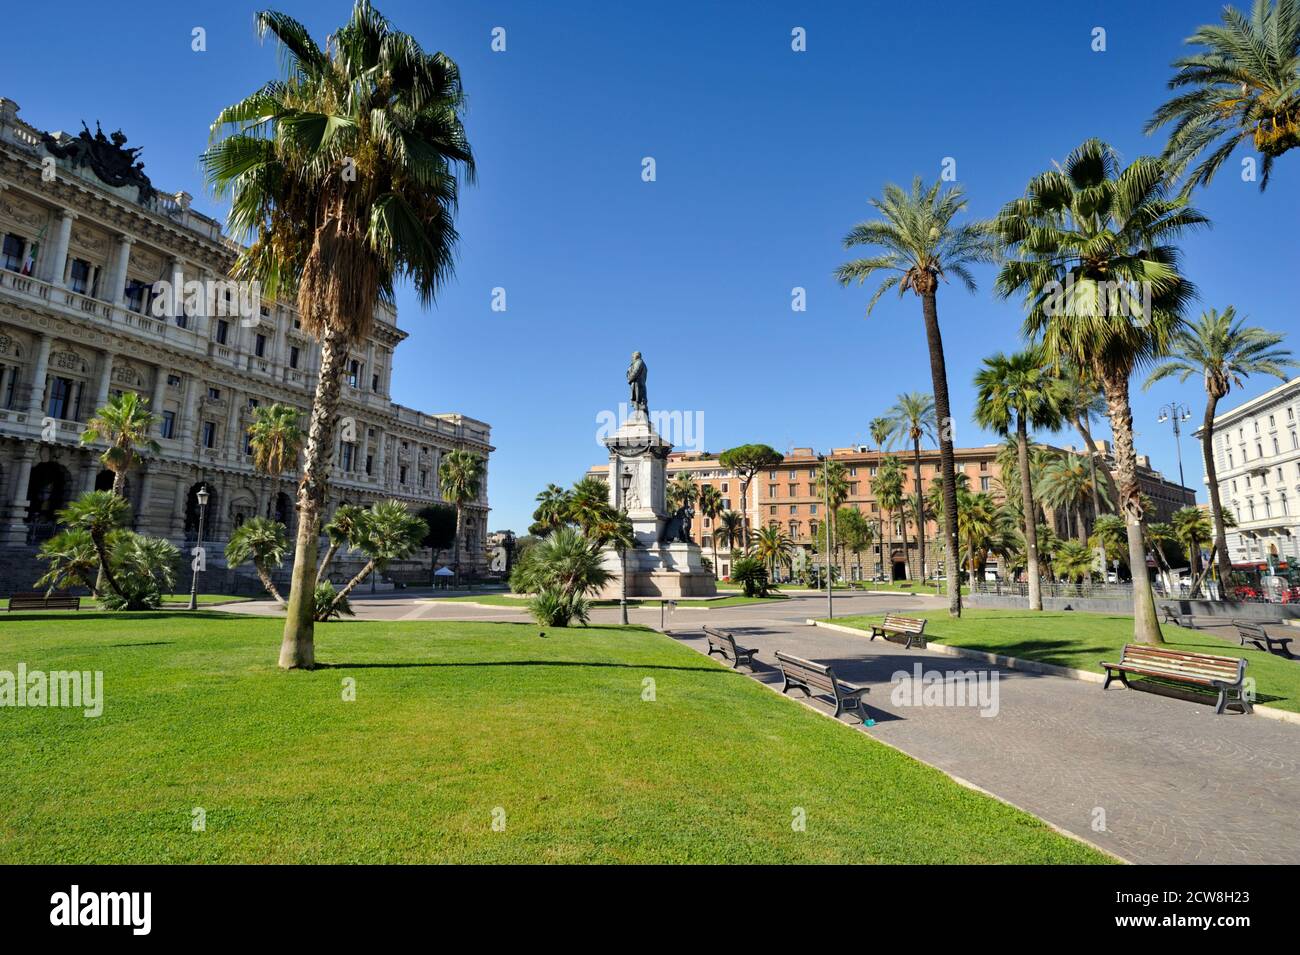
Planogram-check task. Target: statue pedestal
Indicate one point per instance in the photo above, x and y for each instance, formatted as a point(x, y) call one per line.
point(638, 484)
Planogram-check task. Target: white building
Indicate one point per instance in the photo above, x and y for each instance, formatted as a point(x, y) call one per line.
point(85, 245)
point(1257, 457)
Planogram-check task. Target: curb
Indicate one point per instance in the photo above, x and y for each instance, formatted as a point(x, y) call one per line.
point(1033, 666)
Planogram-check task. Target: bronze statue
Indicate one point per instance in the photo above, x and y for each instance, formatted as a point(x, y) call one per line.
point(636, 373)
point(112, 162)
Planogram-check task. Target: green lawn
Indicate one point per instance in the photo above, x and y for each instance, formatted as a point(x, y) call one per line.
point(1083, 640)
point(912, 587)
point(452, 721)
point(169, 600)
point(505, 600)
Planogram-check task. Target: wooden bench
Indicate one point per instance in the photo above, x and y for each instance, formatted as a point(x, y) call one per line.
point(1177, 619)
point(60, 600)
point(723, 643)
point(911, 629)
point(1261, 638)
point(1225, 674)
point(807, 676)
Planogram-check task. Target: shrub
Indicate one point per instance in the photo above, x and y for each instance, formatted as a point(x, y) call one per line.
point(750, 573)
point(326, 605)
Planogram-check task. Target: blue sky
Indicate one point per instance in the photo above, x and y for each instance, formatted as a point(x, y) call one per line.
point(764, 159)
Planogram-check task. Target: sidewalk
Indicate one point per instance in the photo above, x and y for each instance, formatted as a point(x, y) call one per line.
point(1174, 783)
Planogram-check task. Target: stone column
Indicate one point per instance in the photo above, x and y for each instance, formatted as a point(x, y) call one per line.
point(176, 307)
point(89, 471)
point(117, 294)
point(159, 388)
point(36, 402)
point(381, 459)
point(105, 379)
point(189, 426)
point(15, 529)
point(59, 260)
point(6, 373)
point(179, 500)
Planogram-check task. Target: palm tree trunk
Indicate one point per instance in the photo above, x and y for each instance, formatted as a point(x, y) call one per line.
point(1031, 524)
point(268, 583)
point(323, 571)
point(1146, 628)
point(455, 548)
point(298, 649)
point(1085, 432)
point(350, 586)
point(942, 411)
point(1223, 561)
point(105, 571)
point(1078, 524)
point(918, 508)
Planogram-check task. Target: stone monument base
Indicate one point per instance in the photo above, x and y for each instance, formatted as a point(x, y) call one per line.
point(660, 570)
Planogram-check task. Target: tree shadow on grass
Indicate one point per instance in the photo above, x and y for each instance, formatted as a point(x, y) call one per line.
point(515, 663)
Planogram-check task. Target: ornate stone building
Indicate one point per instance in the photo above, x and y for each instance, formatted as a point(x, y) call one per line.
point(88, 246)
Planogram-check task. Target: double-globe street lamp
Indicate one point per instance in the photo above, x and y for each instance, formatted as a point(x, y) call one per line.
point(1175, 414)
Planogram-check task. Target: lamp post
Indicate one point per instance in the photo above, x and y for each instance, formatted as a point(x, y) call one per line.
point(202, 497)
point(826, 517)
point(625, 478)
point(1175, 414)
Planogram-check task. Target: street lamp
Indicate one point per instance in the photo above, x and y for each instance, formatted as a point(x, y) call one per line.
point(1176, 413)
point(202, 497)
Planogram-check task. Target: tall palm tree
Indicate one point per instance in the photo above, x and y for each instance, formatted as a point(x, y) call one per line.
point(1074, 560)
point(386, 532)
point(1242, 85)
point(1090, 252)
point(922, 246)
point(731, 528)
point(1158, 535)
point(1192, 528)
point(889, 484)
point(682, 491)
point(1069, 483)
point(460, 475)
point(261, 541)
point(772, 546)
point(710, 508)
point(913, 416)
point(276, 441)
point(832, 485)
point(1014, 393)
point(125, 423)
point(1223, 350)
point(343, 177)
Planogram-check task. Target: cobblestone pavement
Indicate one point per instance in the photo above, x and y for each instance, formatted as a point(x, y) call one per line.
point(1171, 782)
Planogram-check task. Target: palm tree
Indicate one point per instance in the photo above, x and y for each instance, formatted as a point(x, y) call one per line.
point(772, 546)
point(99, 514)
point(1074, 559)
point(855, 533)
point(731, 528)
point(710, 508)
point(1158, 535)
point(682, 491)
point(832, 485)
point(1090, 251)
point(913, 416)
point(73, 561)
point(1192, 528)
point(124, 423)
point(276, 441)
point(1110, 536)
point(588, 502)
point(262, 541)
point(343, 177)
point(386, 532)
point(1014, 393)
point(922, 246)
point(1081, 401)
point(343, 528)
point(460, 475)
point(889, 492)
point(1242, 85)
point(1223, 350)
point(614, 529)
point(1068, 481)
point(562, 571)
point(553, 507)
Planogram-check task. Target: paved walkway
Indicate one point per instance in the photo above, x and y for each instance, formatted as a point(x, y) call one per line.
point(1175, 783)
